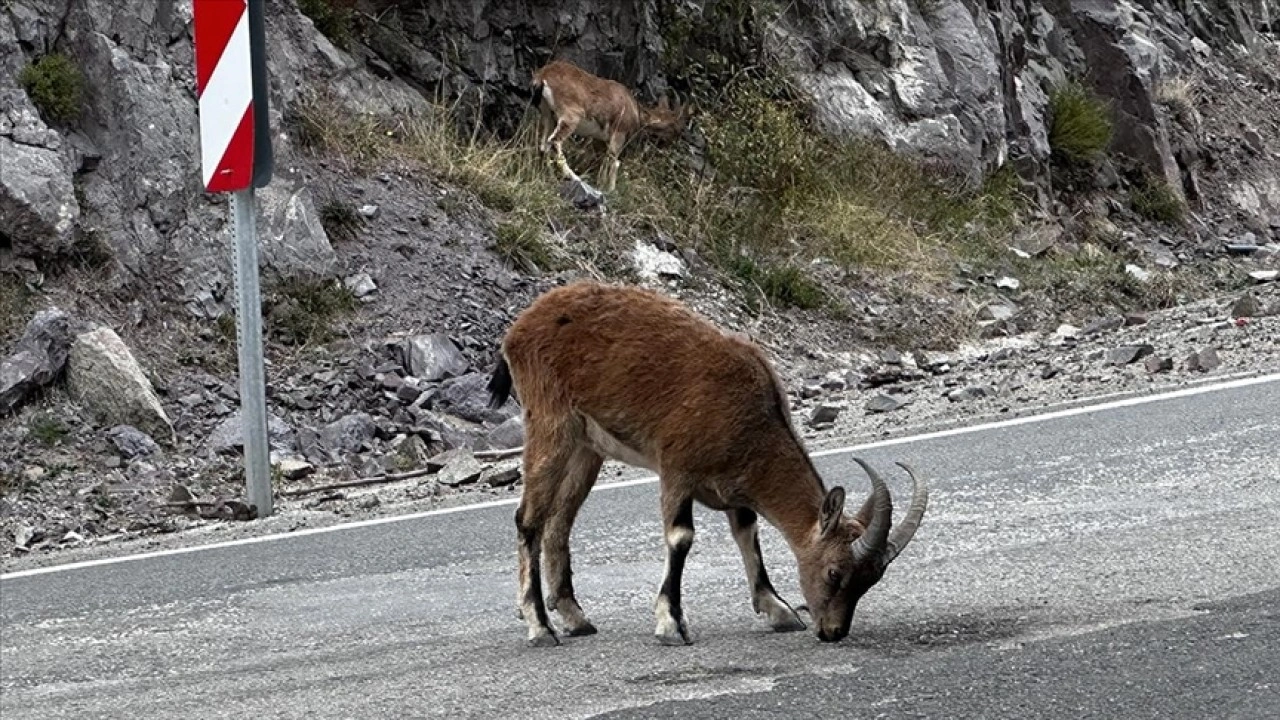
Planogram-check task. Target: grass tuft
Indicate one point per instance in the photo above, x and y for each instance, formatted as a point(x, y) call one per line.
point(305, 312)
point(47, 429)
point(1154, 199)
point(1080, 124)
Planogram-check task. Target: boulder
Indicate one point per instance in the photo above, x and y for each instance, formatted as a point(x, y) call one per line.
point(39, 357)
point(294, 242)
point(104, 376)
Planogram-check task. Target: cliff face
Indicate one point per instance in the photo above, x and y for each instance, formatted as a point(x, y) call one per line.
point(964, 83)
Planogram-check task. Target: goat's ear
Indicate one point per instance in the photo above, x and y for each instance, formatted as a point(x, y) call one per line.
point(832, 510)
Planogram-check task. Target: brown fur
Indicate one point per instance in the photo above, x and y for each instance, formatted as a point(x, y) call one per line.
point(573, 101)
point(702, 408)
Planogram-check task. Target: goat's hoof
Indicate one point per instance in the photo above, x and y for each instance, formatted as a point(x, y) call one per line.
point(788, 624)
point(582, 629)
point(676, 639)
point(671, 633)
point(544, 639)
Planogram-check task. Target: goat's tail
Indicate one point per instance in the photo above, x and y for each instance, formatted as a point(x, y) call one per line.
point(535, 89)
point(500, 384)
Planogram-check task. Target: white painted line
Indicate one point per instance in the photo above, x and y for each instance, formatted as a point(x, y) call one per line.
point(1026, 420)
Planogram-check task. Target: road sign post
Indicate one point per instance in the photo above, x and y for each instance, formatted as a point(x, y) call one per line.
point(236, 157)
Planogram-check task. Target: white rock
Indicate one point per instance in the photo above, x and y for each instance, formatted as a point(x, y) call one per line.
point(653, 264)
point(104, 376)
point(1137, 272)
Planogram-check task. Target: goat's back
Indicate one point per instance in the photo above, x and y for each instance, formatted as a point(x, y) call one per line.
point(652, 372)
point(601, 99)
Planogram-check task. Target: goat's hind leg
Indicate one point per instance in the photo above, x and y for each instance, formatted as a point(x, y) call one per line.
point(764, 599)
point(574, 486)
point(546, 458)
point(677, 521)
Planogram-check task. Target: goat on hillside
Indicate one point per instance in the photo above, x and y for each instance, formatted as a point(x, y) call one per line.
point(605, 371)
point(573, 101)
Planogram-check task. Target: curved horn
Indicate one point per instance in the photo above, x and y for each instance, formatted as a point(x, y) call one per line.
point(872, 542)
point(905, 530)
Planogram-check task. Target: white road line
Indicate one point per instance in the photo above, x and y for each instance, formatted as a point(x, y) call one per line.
point(1043, 417)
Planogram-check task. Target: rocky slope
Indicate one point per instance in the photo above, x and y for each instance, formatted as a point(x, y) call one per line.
point(126, 431)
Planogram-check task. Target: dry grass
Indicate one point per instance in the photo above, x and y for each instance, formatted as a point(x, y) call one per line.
point(1179, 94)
point(781, 200)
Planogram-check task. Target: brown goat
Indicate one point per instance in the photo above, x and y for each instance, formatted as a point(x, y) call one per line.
point(630, 374)
point(573, 101)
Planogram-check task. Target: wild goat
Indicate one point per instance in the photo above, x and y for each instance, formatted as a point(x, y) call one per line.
point(605, 371)
point(573, 101)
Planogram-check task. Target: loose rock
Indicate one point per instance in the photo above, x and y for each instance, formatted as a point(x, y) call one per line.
point(1246, 306)
point(1156, 364)
point(1128, 353)
point(462, 469)
point(1203, 361)
point(228, 437)
point(883, 403)
point(39, 357)
point(510, 434)
point(502, 474)
point(433, 357)
point(104, 376)
point(824, 414)
point(351, 434)
point(132, 442)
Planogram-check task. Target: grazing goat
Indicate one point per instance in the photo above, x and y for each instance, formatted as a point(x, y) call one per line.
point(606, 371)
point(573, 101)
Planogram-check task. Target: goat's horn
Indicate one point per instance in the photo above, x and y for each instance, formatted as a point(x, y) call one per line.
point(905, 530)
point(872, 542)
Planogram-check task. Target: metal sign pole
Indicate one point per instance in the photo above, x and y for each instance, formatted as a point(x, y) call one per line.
point(253, 391)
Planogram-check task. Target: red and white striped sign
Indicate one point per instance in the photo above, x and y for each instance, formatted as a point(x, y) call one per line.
point(224, 86)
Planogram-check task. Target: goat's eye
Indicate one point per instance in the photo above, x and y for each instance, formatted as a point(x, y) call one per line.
point(833, 577)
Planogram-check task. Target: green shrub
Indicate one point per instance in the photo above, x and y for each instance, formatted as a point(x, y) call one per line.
point(1079, 125)
point(333, 18)
point(1154, 199)
point(56, 86)
point(783, 284)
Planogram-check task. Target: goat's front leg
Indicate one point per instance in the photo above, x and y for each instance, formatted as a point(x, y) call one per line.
point(677, 520)
point(764, 599)
point(555, 141)
point(611, 162)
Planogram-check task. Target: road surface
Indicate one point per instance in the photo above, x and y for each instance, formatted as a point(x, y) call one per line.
point(1123, 562)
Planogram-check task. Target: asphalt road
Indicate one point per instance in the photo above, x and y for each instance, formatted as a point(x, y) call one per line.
point(1122, 563)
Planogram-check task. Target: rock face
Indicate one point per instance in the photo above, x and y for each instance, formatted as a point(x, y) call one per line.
point(961, 82)
point(104, 376)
